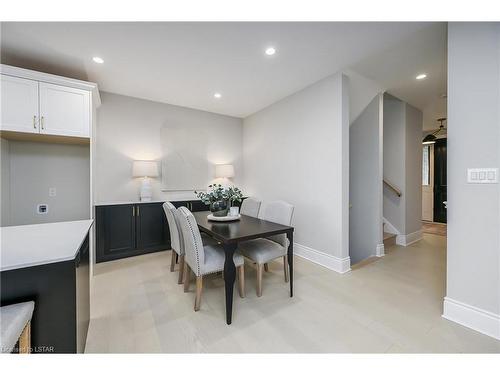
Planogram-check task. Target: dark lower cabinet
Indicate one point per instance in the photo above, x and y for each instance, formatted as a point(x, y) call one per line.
point(130, 229)
point(62, 302)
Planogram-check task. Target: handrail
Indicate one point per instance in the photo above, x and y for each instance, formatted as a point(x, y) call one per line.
point(393, 188)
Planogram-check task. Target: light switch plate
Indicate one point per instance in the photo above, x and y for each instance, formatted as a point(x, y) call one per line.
point(482, 175)
point(52, 192)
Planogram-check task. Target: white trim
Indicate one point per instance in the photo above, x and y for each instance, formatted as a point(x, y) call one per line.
point(388, 227)
point(340, 265)
point(51, 78)
point(380, 250)
point(472, 317)
point(408, 239)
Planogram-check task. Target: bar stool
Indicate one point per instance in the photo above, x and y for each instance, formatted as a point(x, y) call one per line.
point(16, 326)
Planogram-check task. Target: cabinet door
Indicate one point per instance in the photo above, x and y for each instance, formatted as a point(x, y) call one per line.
point(19, 104)
point(115, 229)
point(152, 229)
point(64, 111)
point(197, 206)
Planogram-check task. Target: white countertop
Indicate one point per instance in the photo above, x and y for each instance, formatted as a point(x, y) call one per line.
point(32, 245)
point(115, 203)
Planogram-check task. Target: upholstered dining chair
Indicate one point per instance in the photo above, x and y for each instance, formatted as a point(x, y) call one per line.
point(176, 240)
point(203, 260)
point(264, 250)
point(250, 207)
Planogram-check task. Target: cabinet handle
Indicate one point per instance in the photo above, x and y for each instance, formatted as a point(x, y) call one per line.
point(34, 121)
point(138, 211)
point(133, 210)
point(42, 122)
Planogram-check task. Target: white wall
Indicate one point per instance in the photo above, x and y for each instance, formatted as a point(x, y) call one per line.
point(473, 279)
point(403, 168)
point(5, 183)
point(365, 181)
point(413, 168)
point(129, 128)
point(297, 150)
point(394, 161)
point(36, 167)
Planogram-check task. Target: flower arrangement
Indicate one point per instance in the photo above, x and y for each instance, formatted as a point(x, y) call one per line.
point(219, 198)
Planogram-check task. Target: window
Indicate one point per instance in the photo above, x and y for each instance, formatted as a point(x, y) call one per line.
point(426, 166)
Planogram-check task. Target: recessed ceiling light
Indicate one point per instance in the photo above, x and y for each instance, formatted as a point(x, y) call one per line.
point(270, 51)
point(217, 95)
point(421, 76)
point(97, 60)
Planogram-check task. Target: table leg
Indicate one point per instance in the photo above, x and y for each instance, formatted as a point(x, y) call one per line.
point(229, 277)
point(289, 236)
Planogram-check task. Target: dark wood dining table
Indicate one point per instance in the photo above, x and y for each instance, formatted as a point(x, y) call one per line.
point(230, 233)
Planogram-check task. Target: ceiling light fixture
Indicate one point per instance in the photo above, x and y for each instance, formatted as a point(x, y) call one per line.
point(421, 76)
point(97, 60)
point(217, 95)
point(431, 138)
point(270, 51)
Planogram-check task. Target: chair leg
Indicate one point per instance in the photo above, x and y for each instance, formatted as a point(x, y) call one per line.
point(259, 279)
point(181, 270)
point(241, 280)
point(285, 267)
point(187, 277)
point(199, 287)
point(25, 339)
point(266, 267)
point(172, 261)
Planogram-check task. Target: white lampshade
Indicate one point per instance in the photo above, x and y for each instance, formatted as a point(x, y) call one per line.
point(145, 168)
point(224, 170)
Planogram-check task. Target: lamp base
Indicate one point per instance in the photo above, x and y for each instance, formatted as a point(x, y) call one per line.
point(146, 190)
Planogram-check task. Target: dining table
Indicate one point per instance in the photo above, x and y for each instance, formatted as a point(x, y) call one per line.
point(230, 233)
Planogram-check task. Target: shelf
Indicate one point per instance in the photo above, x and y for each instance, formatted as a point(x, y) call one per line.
point(46, 138)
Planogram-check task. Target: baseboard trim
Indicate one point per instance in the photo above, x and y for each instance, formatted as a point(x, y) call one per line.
point(380, 250)
point(340, 265)
point(408, 239)
point(472, 317)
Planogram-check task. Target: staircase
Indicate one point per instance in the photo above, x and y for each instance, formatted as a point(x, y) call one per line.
point(389, 239)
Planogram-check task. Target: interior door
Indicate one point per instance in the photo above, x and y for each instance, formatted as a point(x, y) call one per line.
point(440, 187)
point(19, 104)
point(428, 183)
point(64, 111)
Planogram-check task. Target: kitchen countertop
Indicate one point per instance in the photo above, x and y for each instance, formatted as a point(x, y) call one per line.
point(36, 244)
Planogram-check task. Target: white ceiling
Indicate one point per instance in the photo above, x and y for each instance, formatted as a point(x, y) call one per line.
point(186, 63)
point(395, 69)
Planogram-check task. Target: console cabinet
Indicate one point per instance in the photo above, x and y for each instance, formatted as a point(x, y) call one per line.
point(125, 230)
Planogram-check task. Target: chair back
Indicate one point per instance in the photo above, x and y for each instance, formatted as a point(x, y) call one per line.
point(278, 212)
point(250, 207)
point(193, 245)
point(173, 226)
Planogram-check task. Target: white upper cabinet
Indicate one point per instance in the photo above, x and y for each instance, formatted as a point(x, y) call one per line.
point(45, 104)
point(64, 110)
point(19, 104)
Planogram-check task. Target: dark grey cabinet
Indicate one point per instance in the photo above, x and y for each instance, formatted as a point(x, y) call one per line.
point(130, 229)
point(62, 301)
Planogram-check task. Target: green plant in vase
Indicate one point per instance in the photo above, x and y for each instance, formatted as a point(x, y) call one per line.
point(219, 199)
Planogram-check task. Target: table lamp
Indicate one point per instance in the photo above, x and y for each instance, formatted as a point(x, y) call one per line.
point(145, 169)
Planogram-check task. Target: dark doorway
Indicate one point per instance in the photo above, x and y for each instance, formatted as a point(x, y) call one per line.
point(440, 180)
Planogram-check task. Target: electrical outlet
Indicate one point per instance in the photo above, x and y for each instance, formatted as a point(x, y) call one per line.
point(52, 192)
point(42, 208)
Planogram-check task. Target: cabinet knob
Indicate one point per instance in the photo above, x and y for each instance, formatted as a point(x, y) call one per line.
point(42, 122)
point(34, 121)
